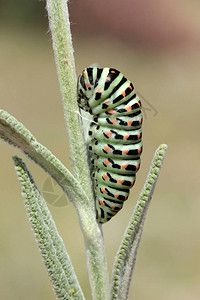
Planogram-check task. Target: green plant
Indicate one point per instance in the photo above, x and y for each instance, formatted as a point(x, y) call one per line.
point(78, 187)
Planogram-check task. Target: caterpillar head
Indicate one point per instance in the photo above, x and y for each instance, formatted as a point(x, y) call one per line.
point(85, 90)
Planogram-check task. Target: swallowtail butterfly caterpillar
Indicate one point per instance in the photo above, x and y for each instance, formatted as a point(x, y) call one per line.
point(115, 135)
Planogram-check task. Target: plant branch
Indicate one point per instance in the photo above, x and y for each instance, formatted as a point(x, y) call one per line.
point(16, 134)
point(63, 51)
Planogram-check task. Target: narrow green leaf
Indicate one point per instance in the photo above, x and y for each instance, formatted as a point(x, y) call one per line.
point(126, 256)
point(16, 134)
point(51, 246)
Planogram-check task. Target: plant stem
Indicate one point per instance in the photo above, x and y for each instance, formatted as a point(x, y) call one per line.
point(64, 58)
point(63, 51)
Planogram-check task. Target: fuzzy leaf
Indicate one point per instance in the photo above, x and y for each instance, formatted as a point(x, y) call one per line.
point(126, 256)
point(51, 246)
point(16, 134)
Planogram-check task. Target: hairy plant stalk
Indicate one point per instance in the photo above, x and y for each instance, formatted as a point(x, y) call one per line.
point(64, 58)
point(63, 51)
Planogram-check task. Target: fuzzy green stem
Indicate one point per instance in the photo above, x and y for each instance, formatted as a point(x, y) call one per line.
point(63, 51)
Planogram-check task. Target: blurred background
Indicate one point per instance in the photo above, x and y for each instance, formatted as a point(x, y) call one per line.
point(156, 45)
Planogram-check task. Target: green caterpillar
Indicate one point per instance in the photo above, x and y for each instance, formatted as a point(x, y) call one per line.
point(115, 134)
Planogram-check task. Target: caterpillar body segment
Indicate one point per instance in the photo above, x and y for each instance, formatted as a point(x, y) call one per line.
point(115, 135)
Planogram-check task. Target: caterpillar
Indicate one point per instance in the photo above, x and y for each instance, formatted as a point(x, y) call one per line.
point(115, 136)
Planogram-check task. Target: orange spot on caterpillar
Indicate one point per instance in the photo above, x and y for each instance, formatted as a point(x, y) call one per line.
point(138, 135)
point(116, 195)
point(120, 181)
point(125, 151)
point(129, 123)
point(140, 121)
point(123, 94)
point(130, 87)
point(101, 202)
point(139, 104)
point(113, 121)
point(106, 148)
point(126, 136)
point(107, 102)
point(139, 150)
point(132, 183)
point(106, 162)
point(137, 167)
point(126, 197)
point(112, 71)
point(108, 78)
point(113, 207)
point(105, 176)
point(108, 133)
point(99, 90)
point(128, 108)
point(103, 190)
point(87, 85)
point(123, 166)
point(111, 112)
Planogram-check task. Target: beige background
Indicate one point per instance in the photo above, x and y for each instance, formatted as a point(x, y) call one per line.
point(168, 261)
